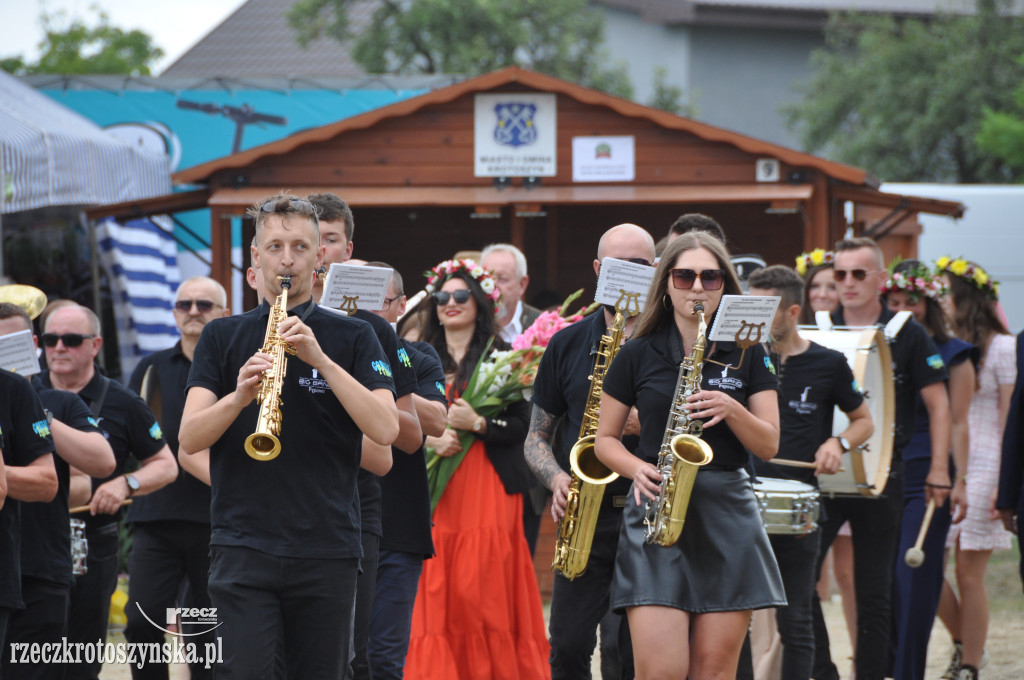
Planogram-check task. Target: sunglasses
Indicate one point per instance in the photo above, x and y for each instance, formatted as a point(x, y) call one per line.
point(202, 305)
point(442, 297)
point(69, 339)
point(710, 279)
point(635, 260)
point(857, 274)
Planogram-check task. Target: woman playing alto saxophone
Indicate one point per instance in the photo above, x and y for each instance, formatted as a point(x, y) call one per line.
point(689, 604)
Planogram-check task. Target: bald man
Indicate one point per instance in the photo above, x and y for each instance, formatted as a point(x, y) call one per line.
point(559, 398)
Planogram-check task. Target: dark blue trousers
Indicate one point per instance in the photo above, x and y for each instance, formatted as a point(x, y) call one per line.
point(398, 576)
point(916, 591)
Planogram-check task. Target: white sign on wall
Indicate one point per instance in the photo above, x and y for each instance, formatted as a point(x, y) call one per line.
point(515, 135)
point(603, 159)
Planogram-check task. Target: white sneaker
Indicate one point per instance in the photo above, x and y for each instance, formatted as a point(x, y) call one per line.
point(953, 669)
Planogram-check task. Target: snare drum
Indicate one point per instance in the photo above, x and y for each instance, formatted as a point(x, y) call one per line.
point(787, 506)
point(865, 469)
point(79, 547)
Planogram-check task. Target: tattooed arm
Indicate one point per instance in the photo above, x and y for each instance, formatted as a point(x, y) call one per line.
point(541, 459)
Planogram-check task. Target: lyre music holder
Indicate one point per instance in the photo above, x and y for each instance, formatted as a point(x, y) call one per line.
point(745, 339)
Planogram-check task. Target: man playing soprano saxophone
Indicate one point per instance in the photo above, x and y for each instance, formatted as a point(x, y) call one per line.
point(559, 397)
point(285, 543)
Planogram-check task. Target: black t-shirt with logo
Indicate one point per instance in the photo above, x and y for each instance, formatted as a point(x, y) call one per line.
point(916, 363)
point(24, 437)
point(405, 497)
point(129, 426)
point(811, 385)
point(645, 374)
point(186, 498)
point(303, 503)
point(48, 555)
point(563, 385)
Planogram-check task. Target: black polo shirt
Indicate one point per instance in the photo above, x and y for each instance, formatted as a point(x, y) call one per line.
point(405, 497)
point(405, 383)
point(48, 555)
point(304, 502)
point(24, 437)
point(916, 363)
point(645, 374)
point(129, 426)
point(186, 498)
point(563, 385)
point(811, 385)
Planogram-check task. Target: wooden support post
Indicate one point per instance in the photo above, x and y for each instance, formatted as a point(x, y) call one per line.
point(220, 249)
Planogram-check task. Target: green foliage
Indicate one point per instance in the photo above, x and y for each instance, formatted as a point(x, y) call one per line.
point(469, 37)
point(72, 47)
point(904, 98)
point(1002, 132)
point(669, 97)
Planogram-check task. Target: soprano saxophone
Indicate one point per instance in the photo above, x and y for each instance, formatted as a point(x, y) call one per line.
point(263, 444)
point(682, 451)
point(589, 475)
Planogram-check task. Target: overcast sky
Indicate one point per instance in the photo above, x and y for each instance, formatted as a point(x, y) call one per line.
point(175, 25)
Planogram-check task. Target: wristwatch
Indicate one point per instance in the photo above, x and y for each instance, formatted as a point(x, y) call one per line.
point(478, 424)
point(133, 484)
point(844, 444)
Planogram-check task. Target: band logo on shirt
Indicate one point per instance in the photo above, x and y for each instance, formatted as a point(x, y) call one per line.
point(155, 432)
point(381, 367)
point(935, 361)
point(440, 387)
point(316, 384)
point(769, 365)
point(403, 356)
point(41, 428)
point(803, 407)
point(726, 383)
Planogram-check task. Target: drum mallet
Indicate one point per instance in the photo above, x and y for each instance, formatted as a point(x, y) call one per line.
point(85, 508)
point(915, 556)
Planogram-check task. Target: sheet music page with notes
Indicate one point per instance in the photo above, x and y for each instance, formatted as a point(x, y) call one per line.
point(620, 275)
point(367, 286)
point(18, 353)
point(744, 313)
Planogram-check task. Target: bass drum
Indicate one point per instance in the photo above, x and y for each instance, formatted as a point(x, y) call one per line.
point(865, 469)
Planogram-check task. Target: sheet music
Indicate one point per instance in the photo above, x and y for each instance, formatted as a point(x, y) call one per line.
point(18, 353)
point(744, 312)
point(368, 285)
point(619, 275)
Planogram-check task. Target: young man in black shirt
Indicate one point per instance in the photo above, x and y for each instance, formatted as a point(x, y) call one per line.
point(46, 567)
point(405, 509)
point(875, 522)
point(813, 381)
point(285, 542)
point(559, 397)
point(171, 528)
point(72, 341)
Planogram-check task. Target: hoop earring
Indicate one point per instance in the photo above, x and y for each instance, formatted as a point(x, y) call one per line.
point(666, 303)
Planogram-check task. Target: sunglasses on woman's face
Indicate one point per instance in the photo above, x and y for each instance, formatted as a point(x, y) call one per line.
point(442, 297)
point(69, 339)
point(710, 279)
point(858, 274)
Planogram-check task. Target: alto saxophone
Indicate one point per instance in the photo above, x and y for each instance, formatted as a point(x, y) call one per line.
point(589, 475)
point(682, 451)
point(263, 444)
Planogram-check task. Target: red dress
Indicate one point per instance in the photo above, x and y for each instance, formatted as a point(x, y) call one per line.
point(478, 612)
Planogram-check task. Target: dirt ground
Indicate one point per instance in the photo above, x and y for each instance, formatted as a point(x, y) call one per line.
point(1005, 636)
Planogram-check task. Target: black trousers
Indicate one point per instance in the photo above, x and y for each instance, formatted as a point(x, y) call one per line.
point(298, 608)
point(163, 553)
point(578, 606)
point(875, 525)
point(798, 560)
point(90, 598)
point(43, 620)
point(366, 587)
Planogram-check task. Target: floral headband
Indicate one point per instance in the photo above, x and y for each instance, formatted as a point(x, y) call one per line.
point(444, 271)
point(969, 271)
point(815, 258)
point(915, 282)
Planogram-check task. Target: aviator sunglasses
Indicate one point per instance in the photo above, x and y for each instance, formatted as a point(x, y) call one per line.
point(710, 279)
point(202, 305)
point(441, 297)
point(69, 339)
point(858, 274)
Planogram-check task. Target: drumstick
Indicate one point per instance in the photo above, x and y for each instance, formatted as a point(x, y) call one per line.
point(799, 464)
point(915, 556)
point(83, 508)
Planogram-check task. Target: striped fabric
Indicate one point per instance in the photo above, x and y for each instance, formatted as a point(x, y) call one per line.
point(50, 155)
point(142, 263)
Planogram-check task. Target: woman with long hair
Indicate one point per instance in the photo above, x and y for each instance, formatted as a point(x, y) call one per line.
point(689, 604)
point(820, 292)
point(478, 612)
point(971, 307)
point(911, 287)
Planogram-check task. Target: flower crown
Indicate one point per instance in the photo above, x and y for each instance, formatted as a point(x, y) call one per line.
point(915, 281)
point(815, 258)
point(444, 271)
point(969, 271)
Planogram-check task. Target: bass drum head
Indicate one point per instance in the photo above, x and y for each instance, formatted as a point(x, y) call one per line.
point(865, 470)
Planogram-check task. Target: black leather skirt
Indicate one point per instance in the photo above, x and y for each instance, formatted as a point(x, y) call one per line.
point(722, 561)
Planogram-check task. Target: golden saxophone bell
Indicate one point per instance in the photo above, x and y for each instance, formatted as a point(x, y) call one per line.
point(29, 298)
